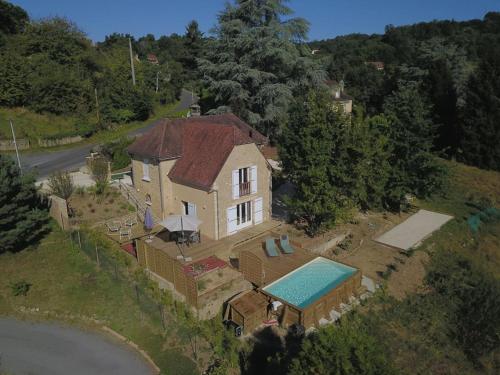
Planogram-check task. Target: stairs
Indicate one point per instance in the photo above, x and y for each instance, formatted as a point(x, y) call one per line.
point(129, 193)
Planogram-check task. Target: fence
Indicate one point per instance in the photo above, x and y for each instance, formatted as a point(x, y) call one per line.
point(115, 265)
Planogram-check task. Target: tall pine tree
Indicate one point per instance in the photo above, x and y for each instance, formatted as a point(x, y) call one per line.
point(257, 63)
point(480, 128)
point(22, 218)
point(415, 169)
point(305, 151)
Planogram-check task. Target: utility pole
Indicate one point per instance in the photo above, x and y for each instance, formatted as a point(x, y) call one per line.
point(96, 104)
point(131, 61)
point(157, 75)
point(15, 145)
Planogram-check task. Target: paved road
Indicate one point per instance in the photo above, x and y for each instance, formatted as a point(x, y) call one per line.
point(45, 163)
point(51, 349)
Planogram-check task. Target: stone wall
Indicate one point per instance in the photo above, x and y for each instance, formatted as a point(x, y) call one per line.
point(24, 144)
point(59, 211)
point(8, 145)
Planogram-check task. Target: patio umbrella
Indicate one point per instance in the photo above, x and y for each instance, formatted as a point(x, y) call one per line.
point(180, 223)
point(148, 219)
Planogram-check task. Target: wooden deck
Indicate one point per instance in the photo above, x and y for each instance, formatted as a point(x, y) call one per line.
point(261, 269)
point(208, 247)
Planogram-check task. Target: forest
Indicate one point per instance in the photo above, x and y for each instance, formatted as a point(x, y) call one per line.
point(50, 66)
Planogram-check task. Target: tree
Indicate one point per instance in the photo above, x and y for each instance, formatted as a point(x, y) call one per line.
point(360, 163)
point(415, 169)
point(61, 184)
point(480, 128)
point(305, 151)
point(347, 349)
point(193, 33)
point(100, 173)
point(23, 219)
point(13, 18)
point(257, 64)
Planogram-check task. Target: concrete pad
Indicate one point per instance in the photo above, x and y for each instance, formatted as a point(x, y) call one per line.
point(411, 232)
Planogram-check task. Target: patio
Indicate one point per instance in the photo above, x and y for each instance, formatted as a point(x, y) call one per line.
point(209, 247)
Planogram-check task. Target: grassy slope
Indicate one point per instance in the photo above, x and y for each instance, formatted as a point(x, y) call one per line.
point(31, 125)
point(64, 281)
point(415, 330)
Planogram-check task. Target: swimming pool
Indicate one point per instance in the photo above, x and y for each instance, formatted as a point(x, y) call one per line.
point(309, 282)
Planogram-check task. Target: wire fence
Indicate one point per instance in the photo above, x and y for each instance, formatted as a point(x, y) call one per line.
point(116, 266)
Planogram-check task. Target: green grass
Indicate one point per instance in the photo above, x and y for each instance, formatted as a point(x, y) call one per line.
point(68, 285)
point(416, 330)
point(31, 125)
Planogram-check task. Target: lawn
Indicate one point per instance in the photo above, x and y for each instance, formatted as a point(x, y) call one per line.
point(65, 283)
point(28, 124)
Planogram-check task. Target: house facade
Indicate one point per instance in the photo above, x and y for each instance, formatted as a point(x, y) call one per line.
point(341, 101)
point(208, 166)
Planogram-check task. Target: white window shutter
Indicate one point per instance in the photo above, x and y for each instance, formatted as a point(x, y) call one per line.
point(257, 208)
point(253, 179)
point(236, 184)
point(145, 169)
point(231, 220)
point(191, 209)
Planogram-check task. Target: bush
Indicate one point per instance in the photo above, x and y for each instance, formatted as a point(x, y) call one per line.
point(471, 295)
point(20, 288)
point(61, 184)
point(346, 349)
point(100, 174)
point(116, 151)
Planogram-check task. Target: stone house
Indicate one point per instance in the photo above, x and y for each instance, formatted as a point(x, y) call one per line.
point(208, 166)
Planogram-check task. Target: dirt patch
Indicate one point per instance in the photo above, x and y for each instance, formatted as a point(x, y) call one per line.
point(402, 273)
point(92, 209)
point(409, 276)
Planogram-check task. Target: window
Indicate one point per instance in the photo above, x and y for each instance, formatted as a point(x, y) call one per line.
point(244, 181)
point(145, 170)
point(243, 213)
point(188, 208)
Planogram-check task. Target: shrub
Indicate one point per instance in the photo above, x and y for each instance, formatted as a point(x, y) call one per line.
point(61, 184)
point(20, 288)
point(100, 174)
point(471, 294)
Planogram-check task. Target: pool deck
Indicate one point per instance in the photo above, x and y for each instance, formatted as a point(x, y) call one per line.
point(411, 232)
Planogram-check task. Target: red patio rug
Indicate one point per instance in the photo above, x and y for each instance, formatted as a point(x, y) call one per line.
point(203, 266)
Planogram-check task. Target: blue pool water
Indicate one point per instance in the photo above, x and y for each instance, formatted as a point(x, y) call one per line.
point(309, 282)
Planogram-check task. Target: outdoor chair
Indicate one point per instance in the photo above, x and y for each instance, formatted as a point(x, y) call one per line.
point(285, 244)
point(125, 233)
point(194, 237)
point(131, 221)
point(113, 226)
point(271, 249)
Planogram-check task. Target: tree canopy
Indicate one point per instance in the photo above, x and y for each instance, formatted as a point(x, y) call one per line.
point(258, 61)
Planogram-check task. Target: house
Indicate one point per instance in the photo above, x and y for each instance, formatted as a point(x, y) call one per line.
point(151, 58)
point(208, 166)
point(379, 65)
point(341, 100)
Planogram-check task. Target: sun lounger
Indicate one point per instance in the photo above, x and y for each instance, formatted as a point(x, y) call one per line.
point(285, 244)
point(271, 249)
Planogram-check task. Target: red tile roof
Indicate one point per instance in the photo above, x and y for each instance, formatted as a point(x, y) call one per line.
point(201, 145)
